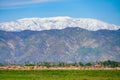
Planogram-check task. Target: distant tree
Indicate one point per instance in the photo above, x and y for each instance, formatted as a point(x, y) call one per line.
point(81, 64)
point(61, 64)
point(27, 63)
point(1, 64)
point(47, 64)
point(75, 64)
point(110, 63)
point(88, 64)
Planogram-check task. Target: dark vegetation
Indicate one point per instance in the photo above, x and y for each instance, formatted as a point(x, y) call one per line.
point(63, 64)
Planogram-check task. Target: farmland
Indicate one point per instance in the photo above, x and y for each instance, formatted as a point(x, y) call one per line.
point(59, 74)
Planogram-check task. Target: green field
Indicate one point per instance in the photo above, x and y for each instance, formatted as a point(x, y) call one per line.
point(59, 74)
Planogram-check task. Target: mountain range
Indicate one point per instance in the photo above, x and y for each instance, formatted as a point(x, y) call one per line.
point(58, 39)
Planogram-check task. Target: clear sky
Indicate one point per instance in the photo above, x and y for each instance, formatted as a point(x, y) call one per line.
point(105, 10)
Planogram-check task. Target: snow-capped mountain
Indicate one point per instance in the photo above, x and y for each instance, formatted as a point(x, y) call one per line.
point(38, 24)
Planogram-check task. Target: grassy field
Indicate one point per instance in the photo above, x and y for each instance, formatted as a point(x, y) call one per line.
point(59, 74)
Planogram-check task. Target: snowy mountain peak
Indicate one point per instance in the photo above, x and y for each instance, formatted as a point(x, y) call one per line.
point(60, 22)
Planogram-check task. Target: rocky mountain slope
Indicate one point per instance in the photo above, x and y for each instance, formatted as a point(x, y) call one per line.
point(71, 44)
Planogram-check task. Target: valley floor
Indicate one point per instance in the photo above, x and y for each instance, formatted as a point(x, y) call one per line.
point(98, 67)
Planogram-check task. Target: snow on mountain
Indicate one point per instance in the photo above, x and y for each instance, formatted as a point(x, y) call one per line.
point(38, 24)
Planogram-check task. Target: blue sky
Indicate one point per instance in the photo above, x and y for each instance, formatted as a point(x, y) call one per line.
point(105, 10)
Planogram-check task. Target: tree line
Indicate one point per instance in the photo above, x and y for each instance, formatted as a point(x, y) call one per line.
point(108, 63)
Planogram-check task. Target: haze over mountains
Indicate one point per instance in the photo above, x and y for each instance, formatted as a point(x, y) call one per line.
point(58, 39)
